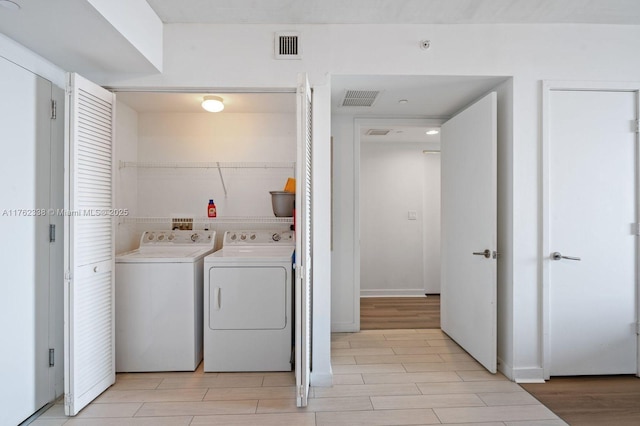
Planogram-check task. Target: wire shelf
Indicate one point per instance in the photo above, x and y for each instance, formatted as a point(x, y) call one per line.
point(208, 220)
point(205, 165)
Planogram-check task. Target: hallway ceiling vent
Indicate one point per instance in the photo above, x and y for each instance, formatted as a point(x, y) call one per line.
point(287, 45)
point(360, 98)
point(378, 132)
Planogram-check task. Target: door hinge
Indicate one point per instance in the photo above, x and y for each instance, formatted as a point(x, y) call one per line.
point(300, 391)
point(52, 357)
point(54, 109)
point(635, 229)
point(52, 233)
point(638, 328)
point(68, 276)
point(68, 399)
point(637, 126)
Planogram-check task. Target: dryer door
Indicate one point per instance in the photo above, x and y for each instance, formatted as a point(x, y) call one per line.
point(247, 298)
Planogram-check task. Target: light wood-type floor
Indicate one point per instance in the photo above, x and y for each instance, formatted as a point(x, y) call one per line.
point(381, 313)
point(381, 377)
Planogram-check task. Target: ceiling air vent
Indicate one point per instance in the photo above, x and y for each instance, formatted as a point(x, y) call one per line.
point(287, 46)
point(378, 132)
point(360, 98)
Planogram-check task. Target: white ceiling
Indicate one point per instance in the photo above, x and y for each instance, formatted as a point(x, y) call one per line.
point(397, 11)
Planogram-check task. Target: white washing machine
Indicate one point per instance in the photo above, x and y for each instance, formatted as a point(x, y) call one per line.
point(248, 312)
point(158, 301)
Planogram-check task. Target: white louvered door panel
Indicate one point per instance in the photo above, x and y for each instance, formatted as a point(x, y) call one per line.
point(89, 244)
point(304, 239)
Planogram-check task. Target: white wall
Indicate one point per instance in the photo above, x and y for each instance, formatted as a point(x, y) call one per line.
point(529, 53)
point(206, 137)
point(431, 220)
point(126, 180)
point(393, 180)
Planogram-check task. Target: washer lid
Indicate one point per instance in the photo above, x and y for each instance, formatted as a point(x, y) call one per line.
point(163, 255)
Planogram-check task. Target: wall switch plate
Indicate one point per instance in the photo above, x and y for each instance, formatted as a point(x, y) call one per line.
point(413, 215)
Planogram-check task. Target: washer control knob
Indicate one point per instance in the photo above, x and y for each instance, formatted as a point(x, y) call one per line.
point(233, 237)
point(243, 237)
point(151, 236)
point(194, 237)
point(252, 237)
point(171, 237)
point(160, 237)
point(276, 237)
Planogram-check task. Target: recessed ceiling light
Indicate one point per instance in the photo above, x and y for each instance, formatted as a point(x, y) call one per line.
point(433, 132)
point(8, 4)
point(403, 101)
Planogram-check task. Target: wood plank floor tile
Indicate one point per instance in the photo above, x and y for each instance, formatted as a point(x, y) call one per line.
point(211, 382)
point(347, 379)
point(202, 408)
point(151, 395)
point(315, 404)
point(443, 366)
point(492, 414)
point(135, 421)
point(470, 387)
point(342, 391)
point(369, 368)
point(376, 418)
point(430, 377)
point(122, 409)
point(283, 419)
point(265, 392)
point(425, 401)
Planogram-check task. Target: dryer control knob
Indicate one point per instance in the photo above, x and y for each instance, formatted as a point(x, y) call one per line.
point(194, 237)
point(233, 237)
point(252, 237)
point(276, 237)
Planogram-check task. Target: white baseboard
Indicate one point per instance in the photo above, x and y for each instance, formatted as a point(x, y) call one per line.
point(505, 369)
point(528, 375)
point(344, 327)
point(409, 292)
point(324, 380)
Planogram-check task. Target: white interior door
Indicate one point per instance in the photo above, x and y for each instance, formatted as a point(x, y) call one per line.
point(469, 230)
point(303, 281)
point(89, 244)
point(25, 131)
point(592, 209)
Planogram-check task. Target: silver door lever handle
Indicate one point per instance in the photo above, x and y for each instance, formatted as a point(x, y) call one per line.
point(486, 253)
point(556, 255)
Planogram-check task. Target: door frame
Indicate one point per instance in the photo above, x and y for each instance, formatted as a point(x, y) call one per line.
point(358, 124)
point(549, 86)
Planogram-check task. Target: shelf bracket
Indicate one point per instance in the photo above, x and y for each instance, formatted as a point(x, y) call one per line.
point(224, 187)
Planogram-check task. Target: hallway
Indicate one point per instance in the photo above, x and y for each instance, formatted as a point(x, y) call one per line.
point(381, 377)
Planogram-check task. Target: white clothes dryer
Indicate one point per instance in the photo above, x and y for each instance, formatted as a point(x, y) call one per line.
point(248, 302)
point(158, 301)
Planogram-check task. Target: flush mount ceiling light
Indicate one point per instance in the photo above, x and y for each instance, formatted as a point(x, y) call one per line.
point(213, 103)
point(432, 132)
point(9, 4)
point(403, 101)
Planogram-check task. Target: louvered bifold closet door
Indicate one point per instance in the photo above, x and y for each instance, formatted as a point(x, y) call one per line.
point(304, 239)
point(89, 244)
